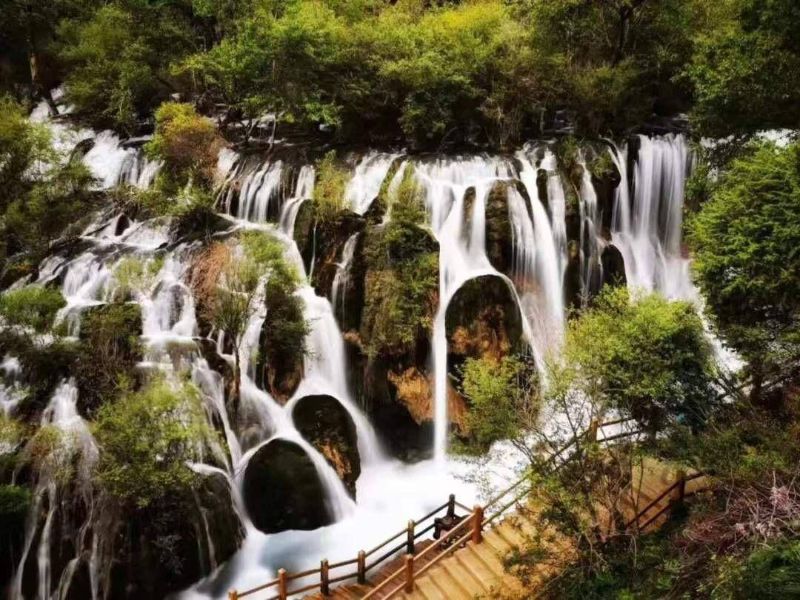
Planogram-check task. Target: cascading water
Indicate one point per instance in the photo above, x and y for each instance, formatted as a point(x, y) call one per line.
point(367, 179)
point(456, 192)
point(647, 230)
point(341, 280)
point(591, 244)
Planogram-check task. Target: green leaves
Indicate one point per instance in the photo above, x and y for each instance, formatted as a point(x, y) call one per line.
point(146, 438)
point(33, 307)
point(644, 356)
point(746, 240)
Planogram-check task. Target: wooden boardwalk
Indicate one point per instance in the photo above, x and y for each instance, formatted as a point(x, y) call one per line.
point(478, 570)
point(467, 559)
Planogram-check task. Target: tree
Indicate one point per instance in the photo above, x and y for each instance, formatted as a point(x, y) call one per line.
point(745, 239)
point(643, 356)
point(146, 439)
point(745, 69)
point(32, 307)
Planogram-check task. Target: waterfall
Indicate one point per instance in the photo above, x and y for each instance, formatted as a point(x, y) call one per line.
point(543, 294)
point(367, 179)
point(591, 244)
point(341, 280)
point(259, 189)
point(462, 252)
point(303, 191)
point(76, 441)
point(647, 230)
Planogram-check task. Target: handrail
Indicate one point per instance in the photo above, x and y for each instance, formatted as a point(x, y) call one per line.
point(412, 533)
point(682, 480)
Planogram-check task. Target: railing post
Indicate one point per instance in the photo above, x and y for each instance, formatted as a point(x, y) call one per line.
point(410, 538)
point(451, 506)
point(477, 524)
point(282, 591)
point(679, 492)
point(594, 427)
point(324, 577)
point(362, 567)
point(233, 595)
point(409, 587)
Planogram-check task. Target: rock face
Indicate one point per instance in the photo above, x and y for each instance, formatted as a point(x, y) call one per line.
point(483, 319)
point(327, 425)
point(282, 489)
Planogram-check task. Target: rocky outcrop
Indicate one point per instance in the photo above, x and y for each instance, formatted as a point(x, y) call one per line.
point(327, 425)
point(282, 489)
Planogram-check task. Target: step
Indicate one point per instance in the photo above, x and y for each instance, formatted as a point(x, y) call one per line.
point(448, 585)
point(490, 559)
point(498, 544)
point(468, 581)
point(428, 589)
point(475, 566)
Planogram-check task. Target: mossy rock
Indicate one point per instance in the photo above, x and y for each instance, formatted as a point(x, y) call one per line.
point(605, 179)
point(326, 424)
point(279, 368)
point(573, 286)
point(282, 489)
point(164, 548)
point(483, 318)
point(110, 349)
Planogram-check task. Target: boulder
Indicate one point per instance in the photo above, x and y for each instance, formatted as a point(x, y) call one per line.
point(282, 489)
point(613, 266)
point(327, 426)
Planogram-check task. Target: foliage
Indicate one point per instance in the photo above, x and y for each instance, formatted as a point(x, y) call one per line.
point(109, 350)
point(187, 143)
point(146, 438)
point(135, 275)
point(745, 239)
point(329, 190)
point(14, 502)
point(745, 70)
point(644, 356)
point(33, 307)
point(502, 398)
point(402, 278)
point(11, 436)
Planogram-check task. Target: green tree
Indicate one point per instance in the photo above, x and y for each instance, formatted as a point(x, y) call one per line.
point(146, 439)
point(745, 69)
point(33, 306)
point(644, 356)
point(745, 239)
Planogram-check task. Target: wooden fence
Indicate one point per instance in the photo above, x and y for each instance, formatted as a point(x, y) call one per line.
point(459, 530)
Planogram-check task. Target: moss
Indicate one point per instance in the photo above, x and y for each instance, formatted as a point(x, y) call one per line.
point(402, 276)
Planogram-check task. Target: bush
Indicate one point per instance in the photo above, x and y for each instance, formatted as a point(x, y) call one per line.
point(146, 439)
point(644, 356)
point(502, 402)
point(109, 351)
point(187, 143)
point(329, 200)
point(134, 275)
point(34, 306)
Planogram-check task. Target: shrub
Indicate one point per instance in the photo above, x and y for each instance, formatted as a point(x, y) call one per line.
point(501, 397)
point(329, 190)
point(110, 348)
point(645, 356)
point(146, 438)
point(33, 306)
point(134, 275)
point(187, 143)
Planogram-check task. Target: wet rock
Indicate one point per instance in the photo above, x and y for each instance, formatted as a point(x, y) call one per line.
point(483, 319)
point(498, 228)
point(613, 266)
point(327, 426)
point(282, 489)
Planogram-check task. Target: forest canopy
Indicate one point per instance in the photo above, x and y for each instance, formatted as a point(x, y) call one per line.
point(480, 71)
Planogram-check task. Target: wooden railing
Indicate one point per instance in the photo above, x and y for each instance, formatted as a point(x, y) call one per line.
point(460, 530)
